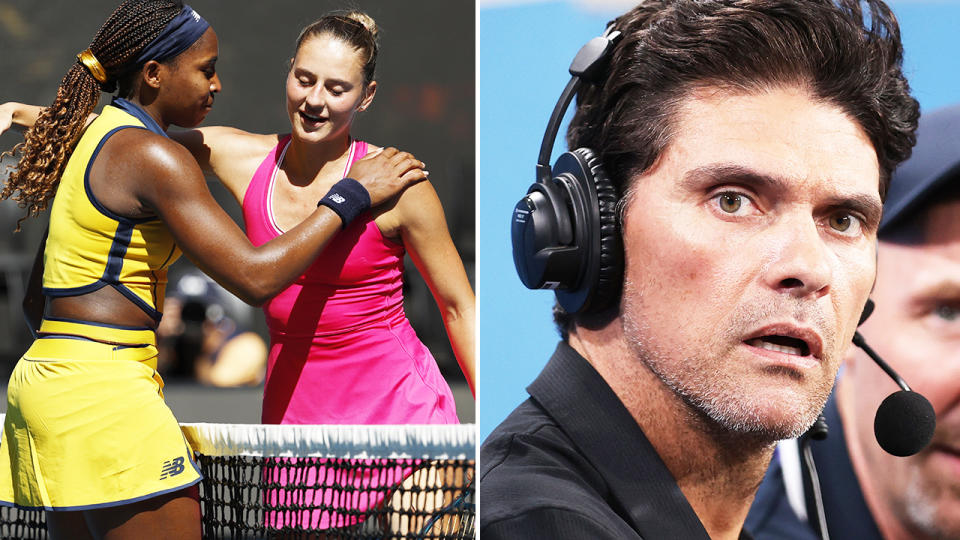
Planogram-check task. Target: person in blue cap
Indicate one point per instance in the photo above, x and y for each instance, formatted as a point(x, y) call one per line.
point(868, 493)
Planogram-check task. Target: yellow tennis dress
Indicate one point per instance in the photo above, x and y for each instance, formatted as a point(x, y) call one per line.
point(86, 424)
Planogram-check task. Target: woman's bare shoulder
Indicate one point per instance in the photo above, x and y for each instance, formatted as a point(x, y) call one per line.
point(226, 140)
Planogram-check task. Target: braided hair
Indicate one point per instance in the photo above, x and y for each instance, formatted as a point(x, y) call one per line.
point(48, 144)
point(353, 27)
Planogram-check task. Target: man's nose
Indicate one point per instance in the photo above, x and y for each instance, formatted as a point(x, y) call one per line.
point(801, 262)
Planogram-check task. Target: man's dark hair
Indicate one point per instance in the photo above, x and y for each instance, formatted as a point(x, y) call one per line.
point(846, 53)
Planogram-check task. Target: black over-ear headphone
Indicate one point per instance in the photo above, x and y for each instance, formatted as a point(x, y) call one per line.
point(565, 230)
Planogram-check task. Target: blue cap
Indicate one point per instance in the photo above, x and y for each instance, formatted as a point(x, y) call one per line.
point(934, 162)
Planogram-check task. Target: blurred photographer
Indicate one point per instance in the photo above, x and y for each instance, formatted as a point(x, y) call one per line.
point(203, 337)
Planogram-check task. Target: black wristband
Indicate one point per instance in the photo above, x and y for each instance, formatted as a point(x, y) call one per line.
point(348, 198)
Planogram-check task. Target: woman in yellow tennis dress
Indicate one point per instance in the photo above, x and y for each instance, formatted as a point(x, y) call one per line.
point(87, 435)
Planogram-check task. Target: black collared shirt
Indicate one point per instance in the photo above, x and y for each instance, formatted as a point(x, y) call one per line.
point(571, 462)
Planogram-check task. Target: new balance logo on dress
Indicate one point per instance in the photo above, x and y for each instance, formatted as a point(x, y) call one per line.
point(171, 468)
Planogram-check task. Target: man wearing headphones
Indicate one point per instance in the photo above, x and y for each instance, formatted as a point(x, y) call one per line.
point(868, 494)
point(712, 241)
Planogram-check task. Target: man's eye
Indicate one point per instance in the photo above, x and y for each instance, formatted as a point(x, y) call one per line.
point(841, 223)
point(947, 312)
point(845, 223)
point(730, 202)
point(734, 203)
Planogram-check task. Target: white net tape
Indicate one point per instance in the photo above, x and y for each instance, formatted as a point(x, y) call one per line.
point(455, 441)
point(341, 441)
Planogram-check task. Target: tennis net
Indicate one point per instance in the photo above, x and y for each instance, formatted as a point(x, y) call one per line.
point(323, 482)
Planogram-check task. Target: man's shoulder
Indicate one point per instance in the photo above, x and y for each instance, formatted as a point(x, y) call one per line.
point(532, 477)
point(528, 438)
point(527, 421)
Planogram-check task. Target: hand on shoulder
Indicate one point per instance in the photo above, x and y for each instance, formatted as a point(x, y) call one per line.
point(386, 172)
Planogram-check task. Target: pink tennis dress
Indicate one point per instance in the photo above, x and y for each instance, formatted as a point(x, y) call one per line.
point(342, 350)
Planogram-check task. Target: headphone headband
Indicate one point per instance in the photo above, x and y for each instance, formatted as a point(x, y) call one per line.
point(587, 65)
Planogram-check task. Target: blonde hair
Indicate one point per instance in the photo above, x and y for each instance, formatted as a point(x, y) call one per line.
point(353, 27)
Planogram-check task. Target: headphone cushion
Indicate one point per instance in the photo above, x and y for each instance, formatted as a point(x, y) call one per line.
point(607, 289)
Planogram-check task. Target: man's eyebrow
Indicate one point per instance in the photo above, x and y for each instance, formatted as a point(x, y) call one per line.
point(732, 173)
point(947, 288)
point(866, 205)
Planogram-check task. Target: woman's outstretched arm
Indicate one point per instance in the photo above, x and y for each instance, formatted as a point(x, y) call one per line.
point(18, 116)
point(168, 182)
point(229, 153)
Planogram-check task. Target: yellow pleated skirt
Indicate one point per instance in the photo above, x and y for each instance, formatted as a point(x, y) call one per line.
point(86, 425)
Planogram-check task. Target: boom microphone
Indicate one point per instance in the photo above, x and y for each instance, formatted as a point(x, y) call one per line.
point(905, 420)
point(904, 423)
point(903, 426)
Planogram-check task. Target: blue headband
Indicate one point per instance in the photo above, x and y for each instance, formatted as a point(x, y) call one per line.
point(179, 34)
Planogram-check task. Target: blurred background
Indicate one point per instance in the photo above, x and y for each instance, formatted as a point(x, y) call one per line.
point(525, 49)
point(424, 104)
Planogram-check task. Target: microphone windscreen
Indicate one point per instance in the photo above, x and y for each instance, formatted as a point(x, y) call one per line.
point(904, 423)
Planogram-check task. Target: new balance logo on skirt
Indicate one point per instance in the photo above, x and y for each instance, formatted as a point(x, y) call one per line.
point(171, 468)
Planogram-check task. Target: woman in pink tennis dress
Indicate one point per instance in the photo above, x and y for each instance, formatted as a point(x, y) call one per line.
point(341, 348)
